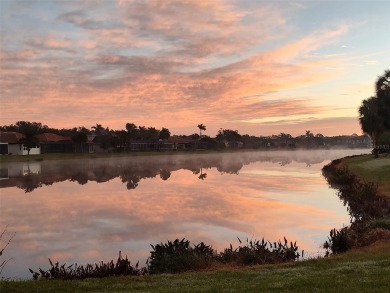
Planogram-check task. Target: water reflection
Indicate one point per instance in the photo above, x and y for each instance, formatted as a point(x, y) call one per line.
point(31, 175)
point(71, 217)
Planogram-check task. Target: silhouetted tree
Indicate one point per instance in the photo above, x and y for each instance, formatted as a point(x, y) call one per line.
point(142, 130)
point(152, 133)
point(79, 136)
point(201, 127)
point(228, 135)
point(195, 136)
point(370, 121)
point(383, 94)
point(164, 133)
point(132, 130)
point(98, 128)
point(29, 130)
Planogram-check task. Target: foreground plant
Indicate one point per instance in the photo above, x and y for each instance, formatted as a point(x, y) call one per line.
point(179, 256)
point(122, 267)
point(261, 252)
point(3, 262)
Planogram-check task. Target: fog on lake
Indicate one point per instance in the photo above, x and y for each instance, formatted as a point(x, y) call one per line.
point(88, 210)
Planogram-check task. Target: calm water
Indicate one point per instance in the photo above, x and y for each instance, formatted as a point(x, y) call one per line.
point(86, 212)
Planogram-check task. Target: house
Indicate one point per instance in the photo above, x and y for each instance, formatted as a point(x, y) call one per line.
point(54, 143)
point(234, 144)
point(11, 143)
point(182, 143)
point(151, 145)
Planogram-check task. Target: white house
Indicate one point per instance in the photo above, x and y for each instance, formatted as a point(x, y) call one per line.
point(11, 144)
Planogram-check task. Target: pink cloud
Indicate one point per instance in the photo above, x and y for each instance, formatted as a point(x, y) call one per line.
point(198, 65)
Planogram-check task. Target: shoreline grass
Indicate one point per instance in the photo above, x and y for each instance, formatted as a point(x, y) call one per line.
point(370, 169)
point(363, 270)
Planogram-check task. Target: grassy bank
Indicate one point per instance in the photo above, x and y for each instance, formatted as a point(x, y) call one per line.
point(364, 270)
point(370, 169)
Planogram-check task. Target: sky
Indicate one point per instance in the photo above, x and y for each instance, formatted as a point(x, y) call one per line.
point(259, 67)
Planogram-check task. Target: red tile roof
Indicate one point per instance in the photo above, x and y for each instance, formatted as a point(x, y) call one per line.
point(11, 137)
point(52, 137)
point(176, 139)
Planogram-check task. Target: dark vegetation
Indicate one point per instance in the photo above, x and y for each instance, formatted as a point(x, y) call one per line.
point(122, 267)
point(179, 256)
point(374, 114)
point(141, 138)
point(4, 261)
point(369, 210)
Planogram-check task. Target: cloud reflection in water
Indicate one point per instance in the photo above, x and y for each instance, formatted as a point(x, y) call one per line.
point(70, 216)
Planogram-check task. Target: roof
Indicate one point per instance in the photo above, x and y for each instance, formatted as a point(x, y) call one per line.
point(52, 137)
point(176, 139)
point(11, 137)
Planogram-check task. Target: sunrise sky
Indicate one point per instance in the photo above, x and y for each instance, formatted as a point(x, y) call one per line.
point(259, 67)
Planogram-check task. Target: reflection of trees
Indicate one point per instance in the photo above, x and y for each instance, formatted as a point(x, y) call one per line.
point(132, 171)
point(285, 162)
point(233, 167)
point(80, 177)
point(131, 180)
point(165, 174)
point(202, 175)
point(30, 182)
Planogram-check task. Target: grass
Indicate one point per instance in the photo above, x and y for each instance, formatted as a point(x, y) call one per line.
point(371, 169)
point(364, 270)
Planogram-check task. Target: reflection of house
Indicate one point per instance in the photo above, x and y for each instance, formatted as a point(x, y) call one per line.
point(54, 143)
point(17, 169)
point(11, 143)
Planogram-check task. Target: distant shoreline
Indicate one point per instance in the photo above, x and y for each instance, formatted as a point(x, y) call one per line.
point(99, 155)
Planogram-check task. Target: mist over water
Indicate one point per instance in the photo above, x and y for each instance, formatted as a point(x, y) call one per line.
point(87, 211)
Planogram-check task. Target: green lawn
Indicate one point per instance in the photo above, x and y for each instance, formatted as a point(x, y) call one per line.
point(364, 270)
point(371, 169)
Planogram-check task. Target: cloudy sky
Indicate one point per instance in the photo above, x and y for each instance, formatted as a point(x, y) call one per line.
point(259, 67)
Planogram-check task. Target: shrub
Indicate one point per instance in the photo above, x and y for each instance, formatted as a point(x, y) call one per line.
point(338, 241)
point(99, 270)
point(260, 252)
point(179, 256)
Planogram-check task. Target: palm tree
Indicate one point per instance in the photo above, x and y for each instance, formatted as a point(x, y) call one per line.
point(98, 128)
point(201, 127)
point(370, 121)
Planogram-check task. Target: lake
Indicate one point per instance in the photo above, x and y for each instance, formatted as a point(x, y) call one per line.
point(87, 211)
